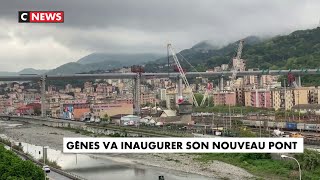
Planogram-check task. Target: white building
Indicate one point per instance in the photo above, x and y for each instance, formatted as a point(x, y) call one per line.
point(130, 120)
point(163, 95)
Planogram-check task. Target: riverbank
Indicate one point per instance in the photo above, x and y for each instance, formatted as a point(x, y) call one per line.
point(53, 137)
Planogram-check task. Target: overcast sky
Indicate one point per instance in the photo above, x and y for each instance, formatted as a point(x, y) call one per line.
point(134, 26)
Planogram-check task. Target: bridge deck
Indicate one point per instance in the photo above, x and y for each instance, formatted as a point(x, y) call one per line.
point(156, 75)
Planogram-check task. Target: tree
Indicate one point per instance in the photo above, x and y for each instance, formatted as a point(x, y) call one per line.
point(198, 97)
point(163, 104)
point(37, 111)
point(310, 159)
point(106, 117)
point(12, 167)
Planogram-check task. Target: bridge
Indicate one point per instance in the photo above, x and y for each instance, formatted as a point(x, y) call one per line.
point(137, 78)
point(157, 75)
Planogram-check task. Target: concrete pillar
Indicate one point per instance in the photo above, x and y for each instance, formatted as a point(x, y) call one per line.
point(260, 81)
point(44, 154)
point(137, 95)
point(221, 83)
point(43, 96)
point(299, 81)
point(179, 86)
point(257, 99)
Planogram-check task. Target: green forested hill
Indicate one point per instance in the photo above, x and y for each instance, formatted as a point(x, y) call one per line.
point(300, 49)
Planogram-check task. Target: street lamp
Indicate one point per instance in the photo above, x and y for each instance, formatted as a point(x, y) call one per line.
point(284, 156)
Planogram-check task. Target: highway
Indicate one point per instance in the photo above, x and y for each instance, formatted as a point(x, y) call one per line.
point(56, 176)
point(52, 175)
point(156, 75)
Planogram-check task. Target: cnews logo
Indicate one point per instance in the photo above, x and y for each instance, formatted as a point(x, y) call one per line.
point(41, 16)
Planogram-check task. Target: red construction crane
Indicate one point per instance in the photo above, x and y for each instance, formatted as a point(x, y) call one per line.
point(176, 69)
point(137, 69)
point(291, 80)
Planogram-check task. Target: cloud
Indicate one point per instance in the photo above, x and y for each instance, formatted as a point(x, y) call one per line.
point(21, 48)
point(128, 26)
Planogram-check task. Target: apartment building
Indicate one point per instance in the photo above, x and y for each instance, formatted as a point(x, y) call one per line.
point(224, 98)
point(172, 97)
point(282, 99)
point(261, 98)
point(314, 96)
point(301, 95)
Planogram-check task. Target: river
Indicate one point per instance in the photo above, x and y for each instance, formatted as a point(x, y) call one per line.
point(102, 167)
point(98, 167)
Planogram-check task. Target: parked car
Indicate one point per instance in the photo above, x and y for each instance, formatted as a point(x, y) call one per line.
point(46, 169)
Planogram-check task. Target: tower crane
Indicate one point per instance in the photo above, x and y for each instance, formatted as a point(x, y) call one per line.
point(236, 63)
point(182, 72)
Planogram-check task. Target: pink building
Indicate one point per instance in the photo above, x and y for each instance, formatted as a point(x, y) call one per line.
point(224, 98)
point(261, 98)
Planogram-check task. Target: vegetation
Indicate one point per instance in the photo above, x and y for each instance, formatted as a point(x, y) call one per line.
point(233, 109)
point(156, 131)
point(5, 141)
point(37, 111)
point(50, 163)
point(298, 50)
point(8, 143)
point(263, 165)
point(287, 113)
point(199, 98)
point(106, 118)
point(12, 167)
point(244, 132)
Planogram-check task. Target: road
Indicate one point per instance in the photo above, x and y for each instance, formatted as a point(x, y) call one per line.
point(52, 175)
point(55, 176)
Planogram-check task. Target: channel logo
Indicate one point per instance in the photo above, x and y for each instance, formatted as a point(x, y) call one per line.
point(41, 16)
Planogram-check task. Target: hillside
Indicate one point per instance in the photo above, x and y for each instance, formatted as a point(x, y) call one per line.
point(24, 71)
point(5, 73)
point(32, 71)
point(102, 62)
point(75, 68)
point(202, 56)
point(300, 49)
point(124, 58)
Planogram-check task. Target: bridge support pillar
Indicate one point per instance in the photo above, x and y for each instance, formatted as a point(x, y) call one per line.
point(137, 94)
point(299, 81)
point(221, 83)
point(179, 87)
point(260, 81)
point(43, 97)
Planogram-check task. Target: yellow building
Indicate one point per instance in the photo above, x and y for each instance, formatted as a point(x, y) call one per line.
point(276, 100)
point(282, 99)
point(288, 99)
point(301, 95)
point(247, 98)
